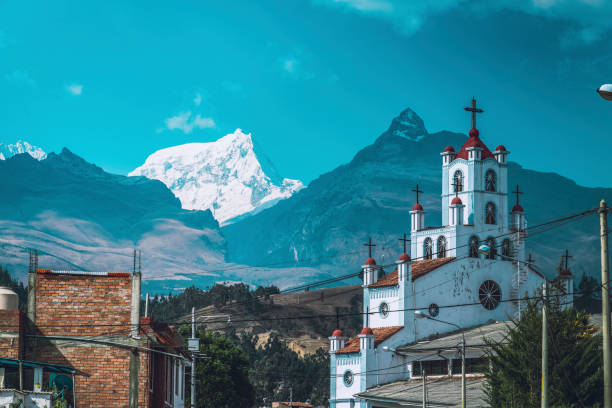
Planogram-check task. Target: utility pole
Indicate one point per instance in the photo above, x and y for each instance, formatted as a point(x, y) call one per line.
point(463, 401)
point(544, 349)
point(605, 303)
point(291, 397)
point(424, 385)
point(194, 346)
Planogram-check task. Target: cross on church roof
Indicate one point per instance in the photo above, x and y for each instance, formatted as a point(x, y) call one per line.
point(404, 240)
point(369, 245)
point(517, 192)
point(566, 256)
point(474, 111)
point(417, 191)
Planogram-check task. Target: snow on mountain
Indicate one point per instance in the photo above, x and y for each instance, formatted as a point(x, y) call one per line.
point(10, 150)
point(231, 176)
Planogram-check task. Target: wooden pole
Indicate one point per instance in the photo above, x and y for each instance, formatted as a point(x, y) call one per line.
point(544, 349)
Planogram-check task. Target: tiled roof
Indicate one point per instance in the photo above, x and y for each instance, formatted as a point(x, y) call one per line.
point(419, 268)
point(474, 141)
point(380, 334)
point(387, 280)
point(165, 335)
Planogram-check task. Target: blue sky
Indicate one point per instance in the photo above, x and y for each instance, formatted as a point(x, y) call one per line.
point(313, 80)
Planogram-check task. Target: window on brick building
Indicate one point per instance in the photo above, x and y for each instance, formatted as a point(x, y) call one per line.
point(169, 380)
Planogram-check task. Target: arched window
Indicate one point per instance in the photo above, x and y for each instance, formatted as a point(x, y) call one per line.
point(490, 213)
point(493, 249)
point(441, 247)
point(490, 180)
point(427, 248)
point(473, 246)
point(458, 181)
point(506, 248)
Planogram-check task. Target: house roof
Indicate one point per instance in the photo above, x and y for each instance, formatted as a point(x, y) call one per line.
point(164, 335)
point(441, 392)
point(380, 334)
point(474, 340)
point(419, 268)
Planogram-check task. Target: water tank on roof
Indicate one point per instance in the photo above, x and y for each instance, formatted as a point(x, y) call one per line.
point(8, 299)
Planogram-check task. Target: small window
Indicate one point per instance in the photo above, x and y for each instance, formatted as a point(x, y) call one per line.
point(348, 378)
point(474, 246)
point(441, 247)
point(506, 249)
point(490, 181)
point(493, 248)
point(458, 181)
point(383, 310)
point(427, 248)
point(490, 213)
point(434, 310)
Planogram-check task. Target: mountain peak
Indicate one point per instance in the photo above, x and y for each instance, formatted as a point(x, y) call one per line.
point(10, 150)
point(230, 176)
point(407, 125)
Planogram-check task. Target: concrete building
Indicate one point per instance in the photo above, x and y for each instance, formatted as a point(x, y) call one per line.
point(446, 275)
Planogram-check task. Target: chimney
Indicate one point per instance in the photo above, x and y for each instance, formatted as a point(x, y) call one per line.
point(135, 315)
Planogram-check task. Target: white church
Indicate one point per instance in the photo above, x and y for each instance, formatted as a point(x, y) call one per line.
point(447, 266)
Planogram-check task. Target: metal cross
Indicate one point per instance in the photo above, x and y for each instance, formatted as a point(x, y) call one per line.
point(566, 256)
point(417, 191)
point(455, 184)
point(517, 192)
point(369, 245)
point(404, 240)
point(474, 111)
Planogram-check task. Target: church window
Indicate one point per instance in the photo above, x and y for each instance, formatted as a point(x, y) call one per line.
point(492, 248)
point(490, 181)
point(474, 246)
point(442, 247)
point(458, 181)
point(427, 248)
point(490, 211)
point(434, 310)
point(348, 378)
point(489, 294)
point(506, 248)
point(383, 309)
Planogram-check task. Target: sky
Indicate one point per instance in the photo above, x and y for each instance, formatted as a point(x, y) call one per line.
point(314, 81)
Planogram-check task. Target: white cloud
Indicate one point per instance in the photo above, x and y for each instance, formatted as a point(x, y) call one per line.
point(198, 99)
point(185, 122)
point(591, 16)
point(21, 78)
point(294, 66)
point(75, 89)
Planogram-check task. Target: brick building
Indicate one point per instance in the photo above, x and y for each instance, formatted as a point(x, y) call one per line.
point(90, 322)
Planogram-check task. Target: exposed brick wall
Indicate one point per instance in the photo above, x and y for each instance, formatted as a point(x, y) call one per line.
point(106, 379)
point(63, 302)
point(12, 328)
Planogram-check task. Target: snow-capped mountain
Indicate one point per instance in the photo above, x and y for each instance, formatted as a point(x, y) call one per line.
point(231, 176)
point(9, 150)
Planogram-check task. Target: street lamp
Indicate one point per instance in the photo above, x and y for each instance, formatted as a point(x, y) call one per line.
point(605, 91)
point(422, 315)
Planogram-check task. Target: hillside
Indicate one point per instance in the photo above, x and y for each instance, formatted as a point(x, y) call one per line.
point(277, 314)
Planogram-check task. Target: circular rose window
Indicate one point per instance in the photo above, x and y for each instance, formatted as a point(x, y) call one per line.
point(434, 310)
point(348, 378)
point(383, 309)
point(489, 294)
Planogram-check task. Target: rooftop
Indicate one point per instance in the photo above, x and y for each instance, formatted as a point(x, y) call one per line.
point(419, 269)
point(442, 392)
point(380, 334)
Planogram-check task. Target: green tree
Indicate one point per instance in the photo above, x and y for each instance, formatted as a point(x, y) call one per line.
point(575, 362)
point(223, 376)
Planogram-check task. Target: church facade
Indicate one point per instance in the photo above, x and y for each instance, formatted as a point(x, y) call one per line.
point(466, 273)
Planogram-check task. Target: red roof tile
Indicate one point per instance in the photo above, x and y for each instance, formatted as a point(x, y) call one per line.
point(381, 334)
point(421, 268)
point(387, 280)
point(474, 141)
